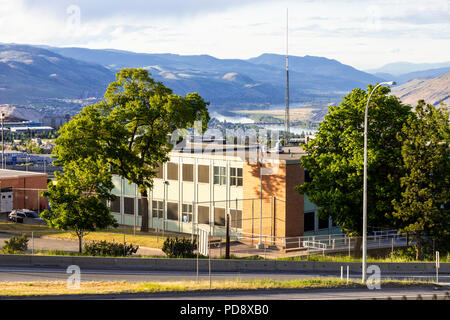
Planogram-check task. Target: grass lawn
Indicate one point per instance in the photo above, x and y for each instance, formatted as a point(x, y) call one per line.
point(321, 258)
point(149, 239)
point(102, 287)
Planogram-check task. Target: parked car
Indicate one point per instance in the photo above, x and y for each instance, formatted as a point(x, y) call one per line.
point(25, 215)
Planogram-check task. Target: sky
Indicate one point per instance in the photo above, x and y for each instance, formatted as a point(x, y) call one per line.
point(363, 34)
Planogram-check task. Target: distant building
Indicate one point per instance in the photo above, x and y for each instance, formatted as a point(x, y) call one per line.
point(21, 190)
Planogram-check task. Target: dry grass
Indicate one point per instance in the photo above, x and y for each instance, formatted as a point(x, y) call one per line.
point(115, 287)
point(150, 239)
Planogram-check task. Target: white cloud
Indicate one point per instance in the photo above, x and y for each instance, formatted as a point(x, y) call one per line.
point(363, 34)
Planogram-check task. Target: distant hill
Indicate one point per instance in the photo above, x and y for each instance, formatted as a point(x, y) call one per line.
point(31, 75)
point(423, 74)
point(433, 91)
point(401, 68)
point(18, 114)
point(256, 80)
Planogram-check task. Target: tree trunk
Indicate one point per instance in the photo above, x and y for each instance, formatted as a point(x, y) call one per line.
point(144, 208)
point(80, 242)
point(418, 247)
point(227, 241)
point(357, 248)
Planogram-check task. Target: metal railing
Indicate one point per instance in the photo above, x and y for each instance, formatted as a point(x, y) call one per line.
point(332, 242)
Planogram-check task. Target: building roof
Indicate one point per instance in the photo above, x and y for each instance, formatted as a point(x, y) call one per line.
point(238, 152)
point(11, 174)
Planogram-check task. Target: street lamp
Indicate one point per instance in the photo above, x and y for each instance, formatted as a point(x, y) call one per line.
point(364, 257)
point(166, 183)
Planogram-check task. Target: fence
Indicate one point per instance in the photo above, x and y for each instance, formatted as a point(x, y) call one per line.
point(327, 243)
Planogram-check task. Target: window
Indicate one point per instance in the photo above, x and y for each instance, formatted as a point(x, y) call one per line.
point(203, 174)
point(323, 223)
point(203, 214)
point(172, 171)
point(236, 218)
point(309, 221)
point(128, 205)
point(220, 175)
point(157, 209)
point(172, 211)
point(188, 172)
point(219, 216)
point(160, 172)
point(186, 213)
point(236, 177)
point(115, 205)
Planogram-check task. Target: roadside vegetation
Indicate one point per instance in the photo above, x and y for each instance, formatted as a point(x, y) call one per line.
point(123, 287)
point(399, 256)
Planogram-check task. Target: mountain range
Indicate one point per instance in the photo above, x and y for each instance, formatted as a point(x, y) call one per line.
point(57, 78)
point(32, 75)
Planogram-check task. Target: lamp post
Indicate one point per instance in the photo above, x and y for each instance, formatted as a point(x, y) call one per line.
point(166, 183)
point(364, 244)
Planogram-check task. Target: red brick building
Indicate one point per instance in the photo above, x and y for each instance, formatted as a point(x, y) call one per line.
point(21, 190)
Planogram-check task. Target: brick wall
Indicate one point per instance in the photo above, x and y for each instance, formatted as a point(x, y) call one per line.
point(282, 207)
point(26, 199)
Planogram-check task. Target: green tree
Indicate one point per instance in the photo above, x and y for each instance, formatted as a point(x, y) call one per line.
point(424, 208)
point(335, 160)
point(129, 130)
point(78, 198)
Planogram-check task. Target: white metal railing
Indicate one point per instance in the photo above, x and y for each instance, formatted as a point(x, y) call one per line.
point(380, 239)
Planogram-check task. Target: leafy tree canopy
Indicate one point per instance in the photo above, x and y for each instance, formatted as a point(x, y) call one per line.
point(129, 130)
point(424, 207)
point(77, 199)
point(335, 160)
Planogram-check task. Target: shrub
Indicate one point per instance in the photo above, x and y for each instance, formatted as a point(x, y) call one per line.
point(16, 244)
point(179, 247)
point(103, 248)
point(404, 254)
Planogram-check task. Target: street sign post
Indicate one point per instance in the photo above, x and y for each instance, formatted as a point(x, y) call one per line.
point(437, 266)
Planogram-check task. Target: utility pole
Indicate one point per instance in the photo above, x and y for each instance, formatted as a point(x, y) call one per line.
point(287, 128)
point(364, 244)
point(227, 241)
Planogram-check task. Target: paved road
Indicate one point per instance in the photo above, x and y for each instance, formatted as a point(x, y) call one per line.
point(312, 294)
point(52, 274)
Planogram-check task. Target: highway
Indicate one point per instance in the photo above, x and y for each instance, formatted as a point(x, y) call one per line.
point(54, 274)
point(31, 274)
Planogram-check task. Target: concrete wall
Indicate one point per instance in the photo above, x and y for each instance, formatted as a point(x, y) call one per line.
point(216, 265)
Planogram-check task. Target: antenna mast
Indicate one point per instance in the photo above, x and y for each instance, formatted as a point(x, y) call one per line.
point(287, 128)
